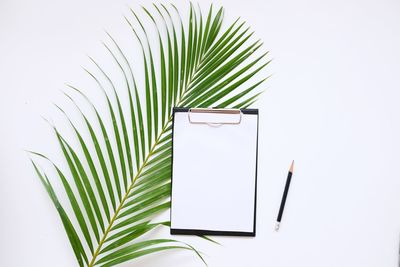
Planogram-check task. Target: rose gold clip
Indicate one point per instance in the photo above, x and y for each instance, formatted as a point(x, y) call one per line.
point(215, 111)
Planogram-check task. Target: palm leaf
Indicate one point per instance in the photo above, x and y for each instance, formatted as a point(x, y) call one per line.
point(198, 64)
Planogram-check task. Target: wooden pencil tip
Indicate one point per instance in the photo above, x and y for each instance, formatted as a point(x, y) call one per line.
point(291, 167)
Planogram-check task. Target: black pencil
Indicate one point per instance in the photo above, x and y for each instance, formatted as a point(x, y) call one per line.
point(283, 201)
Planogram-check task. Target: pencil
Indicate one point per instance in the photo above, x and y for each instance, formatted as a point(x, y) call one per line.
point(283, 201)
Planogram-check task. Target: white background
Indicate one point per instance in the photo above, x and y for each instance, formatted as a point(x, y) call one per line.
point(332, 105)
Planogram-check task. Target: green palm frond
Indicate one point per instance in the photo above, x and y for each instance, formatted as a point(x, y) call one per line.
point(192, 64)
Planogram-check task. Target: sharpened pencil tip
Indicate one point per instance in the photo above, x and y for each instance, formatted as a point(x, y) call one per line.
point(291, 167)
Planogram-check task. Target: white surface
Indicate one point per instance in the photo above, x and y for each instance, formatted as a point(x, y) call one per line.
point(214, 172)
point(332, 105)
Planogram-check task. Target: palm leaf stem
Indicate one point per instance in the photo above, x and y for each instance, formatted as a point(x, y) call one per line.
point(121, 205)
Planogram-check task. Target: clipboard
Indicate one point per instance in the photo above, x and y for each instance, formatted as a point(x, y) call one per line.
point(214, 171)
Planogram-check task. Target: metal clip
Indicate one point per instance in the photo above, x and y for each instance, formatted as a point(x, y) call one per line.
point(215, 111)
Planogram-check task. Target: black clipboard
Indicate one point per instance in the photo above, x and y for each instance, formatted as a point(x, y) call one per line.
point(198, 135)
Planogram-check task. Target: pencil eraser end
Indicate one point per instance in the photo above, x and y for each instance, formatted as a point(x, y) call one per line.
point(277, 226)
